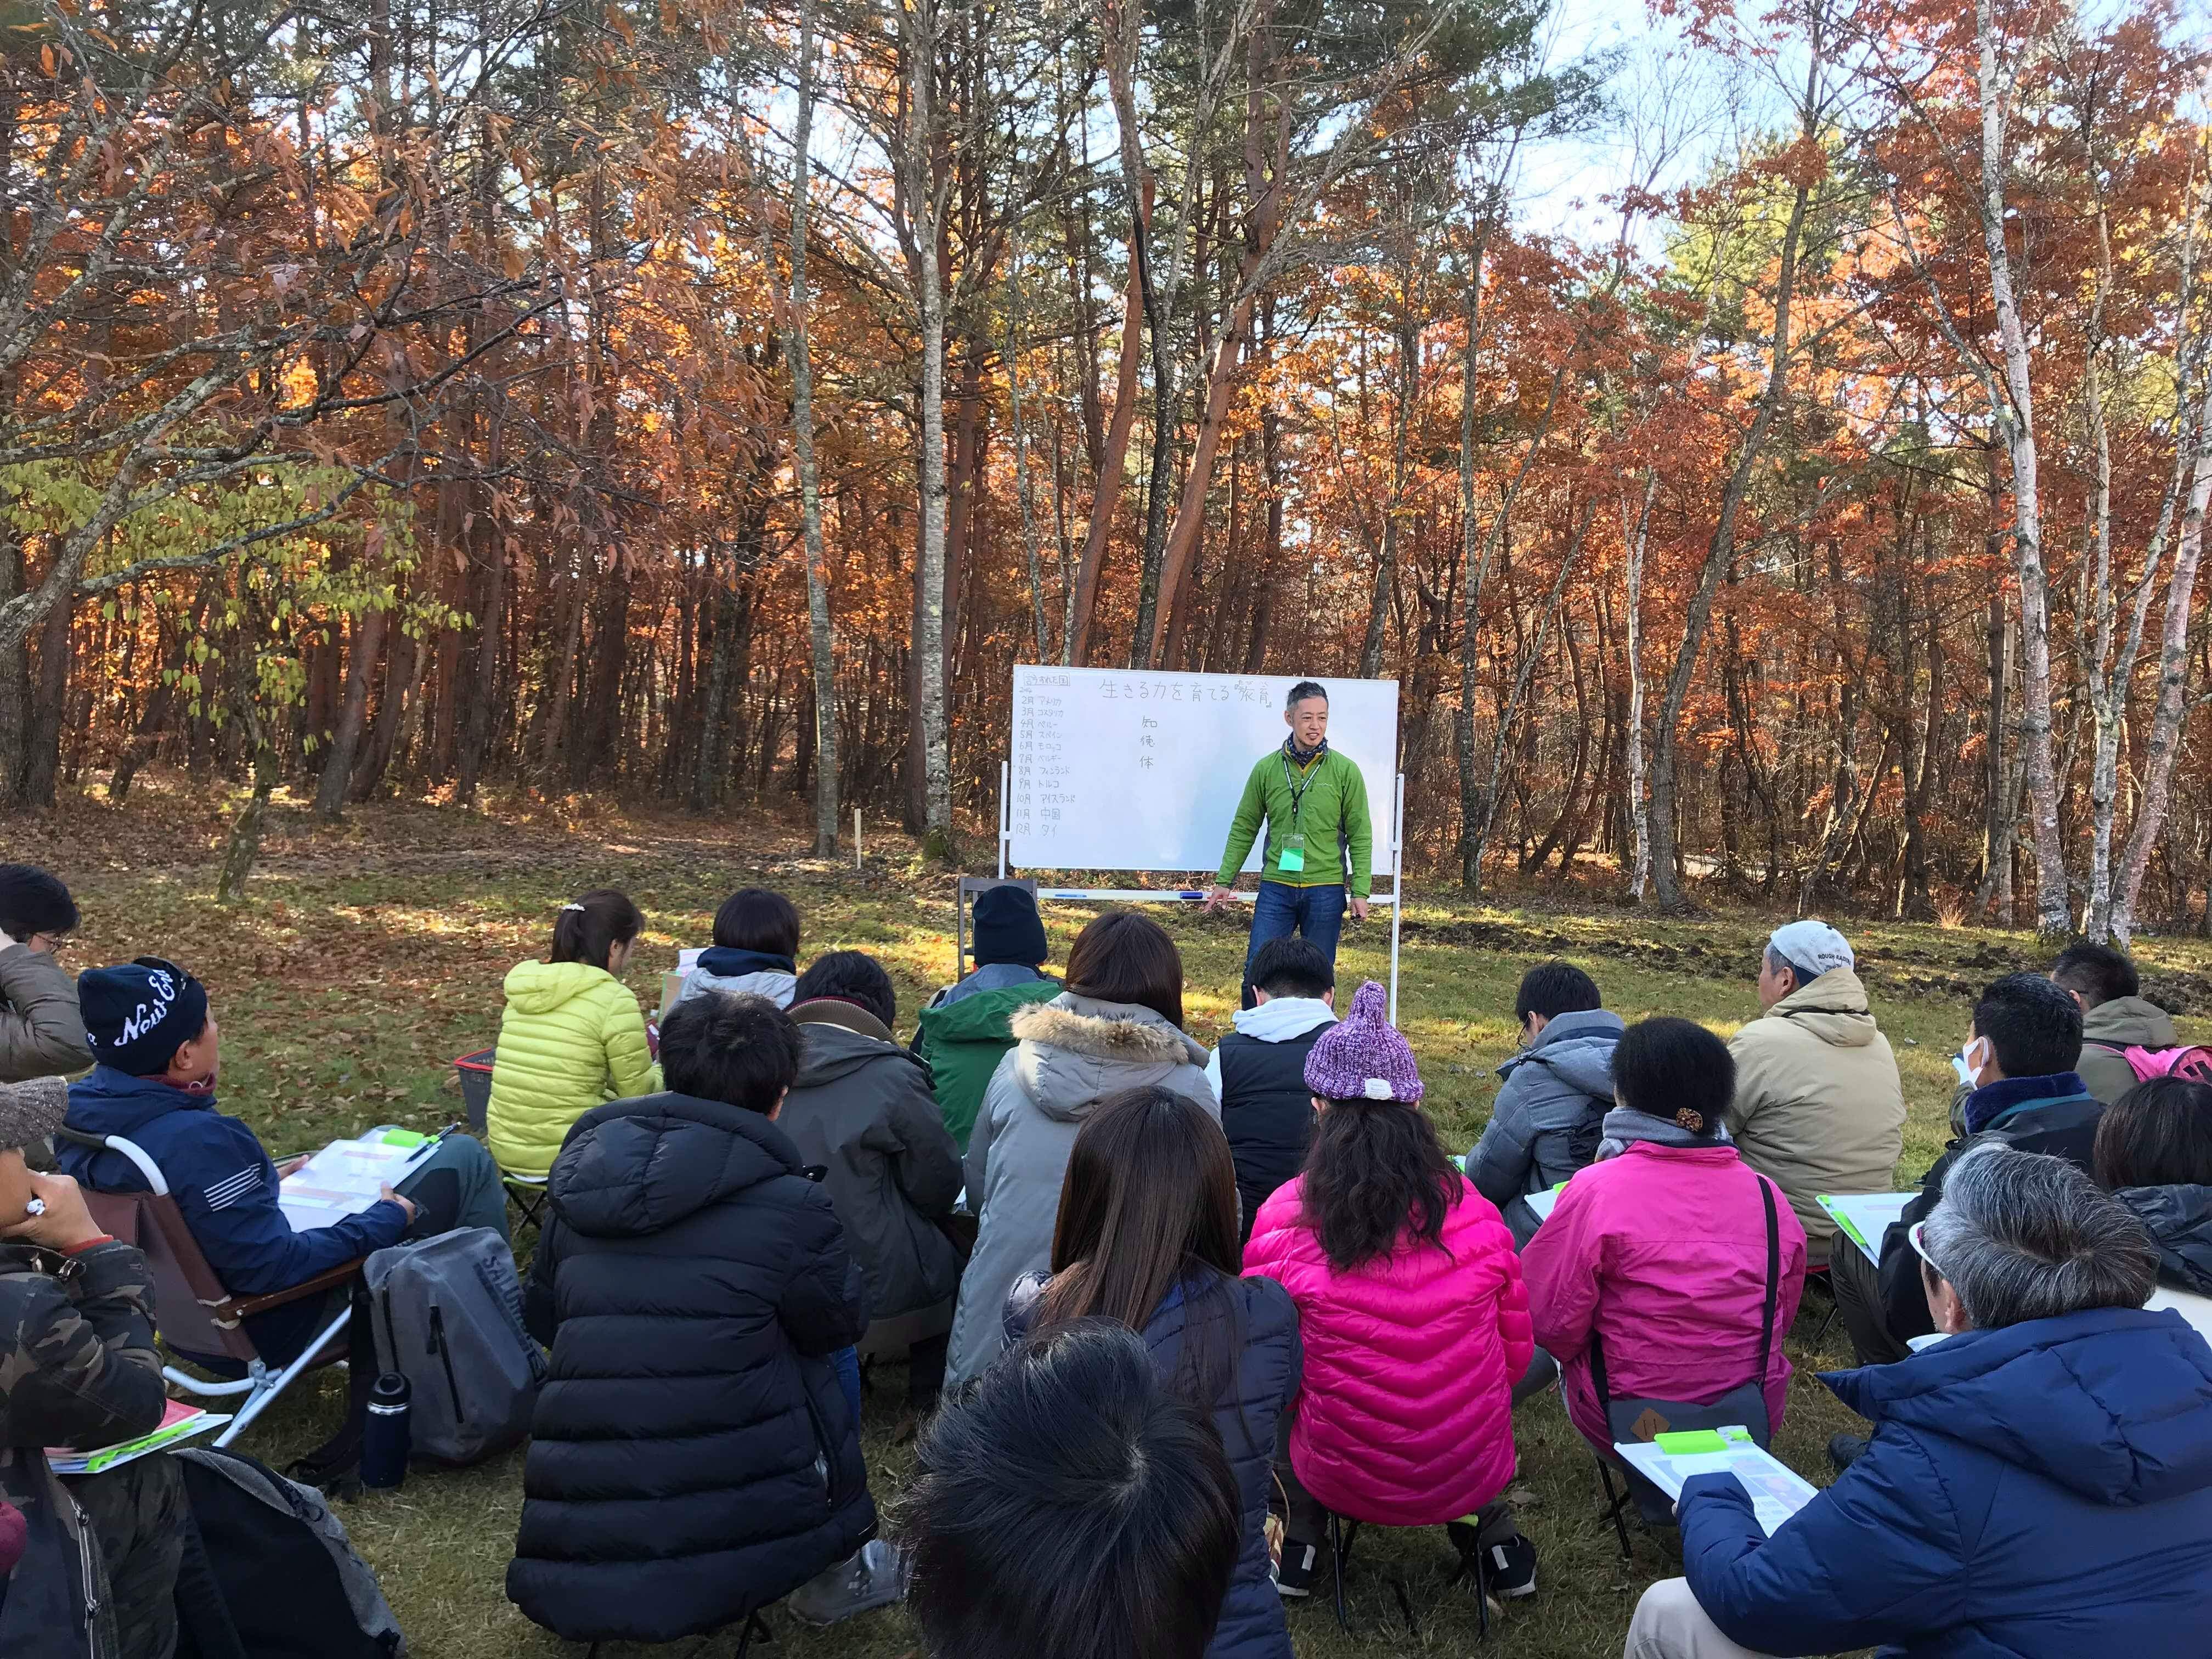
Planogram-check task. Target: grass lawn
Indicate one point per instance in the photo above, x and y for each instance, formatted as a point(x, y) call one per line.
point(372, 953)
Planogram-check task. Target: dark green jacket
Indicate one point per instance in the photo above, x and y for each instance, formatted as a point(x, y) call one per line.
point(1336, 806)
point(962, 1042)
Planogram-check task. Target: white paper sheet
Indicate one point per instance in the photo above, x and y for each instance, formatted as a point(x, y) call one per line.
point(1777, 1491)
point(1864, 1217)
point(343, 1179)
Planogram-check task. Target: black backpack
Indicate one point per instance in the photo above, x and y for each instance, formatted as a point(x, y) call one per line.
point(287, 1573)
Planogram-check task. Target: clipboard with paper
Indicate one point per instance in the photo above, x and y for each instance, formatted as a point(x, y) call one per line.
point(1777, 1491)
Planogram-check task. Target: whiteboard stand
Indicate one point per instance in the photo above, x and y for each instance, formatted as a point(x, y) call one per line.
point(1396, 871)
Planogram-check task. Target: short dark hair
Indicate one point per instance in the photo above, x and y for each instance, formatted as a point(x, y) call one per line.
point(1675, 1069)
point(1780, 964)
point(1069, 1505)
point(1552, 989)
point(740, 1050)
point(2033, 1027)
point(850, 976)
point(1294, 967)
point(1302, 690)
point(1122, 956)
point(755, 919)
point(33, 901)
point(592, 924)
point(2157, 1134)
point(2096, 973)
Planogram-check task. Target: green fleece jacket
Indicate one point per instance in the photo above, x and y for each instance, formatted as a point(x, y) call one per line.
point(1334, 811)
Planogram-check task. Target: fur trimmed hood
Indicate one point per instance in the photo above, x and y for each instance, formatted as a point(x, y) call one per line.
point(1074, 1049)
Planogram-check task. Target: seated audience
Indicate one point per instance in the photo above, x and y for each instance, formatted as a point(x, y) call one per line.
point(41, 1031)
point(1658, 1253)
point(963, 1035)
point(78, 1368)
point(2116, 1016)
point(1069, 1507)
point(1543, 1124)
point(2024, 1093)
point(571, 1037)
point(159, 1054)
point(1118, 1025)
point(755, 949)
point(861, 1110)
point(694, 1457)
point(1411, 1310)
point(2153, 1153)
point(1147, 1237)
point(1819, 1105)
point(2039, 1484)
point(1259, 1071)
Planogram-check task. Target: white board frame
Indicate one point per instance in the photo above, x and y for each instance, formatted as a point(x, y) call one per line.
point(1396, 871)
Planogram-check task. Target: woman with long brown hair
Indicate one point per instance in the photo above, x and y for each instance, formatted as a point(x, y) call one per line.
point(1117, 1026)
point(1147, 1236)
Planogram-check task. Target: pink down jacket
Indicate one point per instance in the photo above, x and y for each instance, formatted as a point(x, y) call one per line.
point(1662, 1252)
point(1406, 1415)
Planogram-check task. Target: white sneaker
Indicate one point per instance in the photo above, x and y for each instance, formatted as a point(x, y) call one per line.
point(873, 1576)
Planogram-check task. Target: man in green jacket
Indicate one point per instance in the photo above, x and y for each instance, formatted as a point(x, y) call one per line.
point(1320, 839)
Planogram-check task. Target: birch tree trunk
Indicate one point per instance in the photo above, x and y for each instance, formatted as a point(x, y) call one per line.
point(2015, 420)
point(1639, 810)
point(799, 358)
point(918, 20)
point(1022, 484)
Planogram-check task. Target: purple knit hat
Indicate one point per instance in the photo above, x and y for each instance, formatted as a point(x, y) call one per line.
point(1362, 1057)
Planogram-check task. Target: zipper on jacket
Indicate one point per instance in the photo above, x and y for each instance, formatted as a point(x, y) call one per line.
point(86, 1543)
point(444, 1350)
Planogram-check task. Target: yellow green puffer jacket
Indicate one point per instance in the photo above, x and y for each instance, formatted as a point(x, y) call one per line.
point(572, 1038)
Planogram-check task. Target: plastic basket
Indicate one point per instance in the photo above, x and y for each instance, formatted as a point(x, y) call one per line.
point(475, 1074)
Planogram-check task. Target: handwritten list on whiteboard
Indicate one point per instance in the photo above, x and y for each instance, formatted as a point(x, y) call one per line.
point(1125, 771)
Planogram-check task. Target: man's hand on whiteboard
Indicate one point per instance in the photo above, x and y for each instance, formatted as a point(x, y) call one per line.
point(1358, 909)
point(1217, 896)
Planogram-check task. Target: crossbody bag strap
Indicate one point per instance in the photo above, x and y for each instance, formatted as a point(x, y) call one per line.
point(1774, 1279)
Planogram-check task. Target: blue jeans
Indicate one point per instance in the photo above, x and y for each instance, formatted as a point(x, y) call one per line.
point(1282, 910)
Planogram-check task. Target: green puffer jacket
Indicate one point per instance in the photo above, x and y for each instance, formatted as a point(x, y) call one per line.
point(572, 1038)
point(961, 1043)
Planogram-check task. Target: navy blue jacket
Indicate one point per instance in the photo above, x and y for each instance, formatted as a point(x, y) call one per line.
point(1270, 1363)
point(226, 1186)
point(2043, 1491)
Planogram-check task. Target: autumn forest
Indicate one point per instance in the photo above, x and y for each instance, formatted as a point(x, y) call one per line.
point(709, 402)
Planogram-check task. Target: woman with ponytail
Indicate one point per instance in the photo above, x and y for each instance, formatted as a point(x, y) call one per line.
point(572, 1037)
point(1411, 1311)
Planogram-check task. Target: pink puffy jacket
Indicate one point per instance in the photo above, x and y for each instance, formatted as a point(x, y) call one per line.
point(1406, 1416)
point(1662, 1252)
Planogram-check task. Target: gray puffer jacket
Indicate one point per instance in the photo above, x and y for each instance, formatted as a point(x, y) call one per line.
point(1543, 1124)
point(41, 1030)
point(1068, 1054)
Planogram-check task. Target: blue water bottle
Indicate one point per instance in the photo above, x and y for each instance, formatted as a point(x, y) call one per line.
point(387, 1437)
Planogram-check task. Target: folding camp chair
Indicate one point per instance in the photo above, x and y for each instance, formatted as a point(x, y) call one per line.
point(1341, 1537)
point(193, 1313)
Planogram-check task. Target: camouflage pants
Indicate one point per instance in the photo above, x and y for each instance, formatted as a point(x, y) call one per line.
point(139, 1513)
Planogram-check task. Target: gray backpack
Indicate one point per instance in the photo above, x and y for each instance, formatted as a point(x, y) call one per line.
point(447, 1315)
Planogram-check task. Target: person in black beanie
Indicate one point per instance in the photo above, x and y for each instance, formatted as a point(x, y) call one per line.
point(964, 1033)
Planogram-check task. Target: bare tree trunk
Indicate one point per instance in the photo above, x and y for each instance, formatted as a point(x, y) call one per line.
point(1639, 810)
point(1386, 562)
point(1022, 484)
point(799, 358)
point(353, 715)
point(42, 740)
point(919, 29)
point(1106, 487)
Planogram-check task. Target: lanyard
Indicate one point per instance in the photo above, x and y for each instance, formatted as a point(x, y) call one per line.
point(1299, 784)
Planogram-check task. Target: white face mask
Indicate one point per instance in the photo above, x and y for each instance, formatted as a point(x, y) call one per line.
point(1969, 1060)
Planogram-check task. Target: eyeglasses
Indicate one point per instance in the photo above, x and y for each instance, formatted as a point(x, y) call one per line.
point(1916, 1235)
point(55, 943)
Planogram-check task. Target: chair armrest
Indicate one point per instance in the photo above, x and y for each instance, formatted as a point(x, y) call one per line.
point(228, 1311)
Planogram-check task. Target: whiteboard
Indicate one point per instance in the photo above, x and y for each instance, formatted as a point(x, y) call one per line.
point(1126, 771)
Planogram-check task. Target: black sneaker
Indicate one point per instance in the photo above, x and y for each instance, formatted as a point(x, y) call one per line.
point(1294, 1573)
point(1846, 1449)
point(1509, 1559)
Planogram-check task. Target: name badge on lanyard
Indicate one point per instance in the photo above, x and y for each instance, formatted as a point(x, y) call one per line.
point(1292, 857)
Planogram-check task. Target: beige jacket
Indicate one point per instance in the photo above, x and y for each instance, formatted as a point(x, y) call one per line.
point(1819, 1105)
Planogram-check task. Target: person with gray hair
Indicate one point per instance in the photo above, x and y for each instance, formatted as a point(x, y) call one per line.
point(1819, 1105)
point(2040, 1480)
point(1320, 848)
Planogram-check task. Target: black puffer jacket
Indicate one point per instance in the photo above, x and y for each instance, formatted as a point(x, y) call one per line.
point(693, 1457)
point(1270, 1361)
point(2179, 1222)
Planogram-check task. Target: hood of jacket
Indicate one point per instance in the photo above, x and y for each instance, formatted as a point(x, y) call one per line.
point(540, 988)
point(1072, 1046)
point(636, 1167)
point(1833, 1008)
point(2112, 1403)
point(727, 961)
point(827, 1052)
point(2179, 1222)
point(106, 1101)
point(2128, 1022)
point(1280, 1018)
point(982, 1016)
point(1577, 1049)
